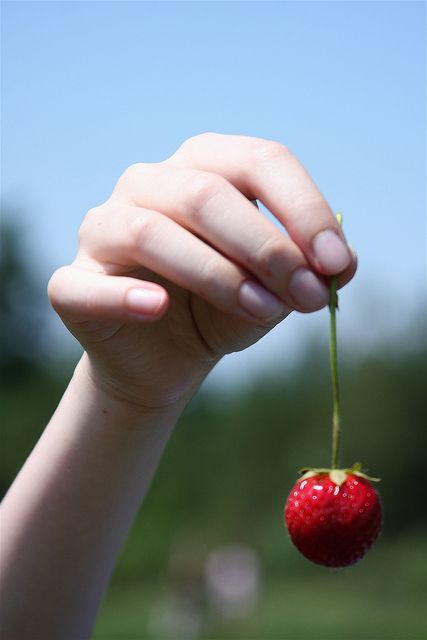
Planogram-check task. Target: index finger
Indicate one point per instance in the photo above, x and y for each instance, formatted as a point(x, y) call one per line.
point(269, 172)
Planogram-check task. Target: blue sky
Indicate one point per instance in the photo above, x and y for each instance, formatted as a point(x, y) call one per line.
point(91, 87)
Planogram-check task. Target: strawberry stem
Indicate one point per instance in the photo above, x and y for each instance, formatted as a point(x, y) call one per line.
point(336, 407)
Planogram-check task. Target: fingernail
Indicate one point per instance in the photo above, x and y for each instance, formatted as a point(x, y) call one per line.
point(307, 290)
point(259, 302)
point(144, 302)
point(331, 252)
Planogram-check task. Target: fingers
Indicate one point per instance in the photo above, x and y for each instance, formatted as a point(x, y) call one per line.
point(212, 208)
point(79, 294)
point(131, 236)
point(268, 171)
point(190, 220)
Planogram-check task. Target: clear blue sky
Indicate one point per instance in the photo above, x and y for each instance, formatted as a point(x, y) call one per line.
point(90, 87)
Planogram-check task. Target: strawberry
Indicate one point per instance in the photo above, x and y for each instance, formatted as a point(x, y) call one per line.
point(333, 516)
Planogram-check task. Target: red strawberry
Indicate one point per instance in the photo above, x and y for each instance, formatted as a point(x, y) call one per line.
point(333, 516)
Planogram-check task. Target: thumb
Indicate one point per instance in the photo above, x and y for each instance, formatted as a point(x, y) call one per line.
point(78, 295)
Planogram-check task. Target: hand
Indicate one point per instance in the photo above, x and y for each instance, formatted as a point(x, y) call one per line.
point(179, 267)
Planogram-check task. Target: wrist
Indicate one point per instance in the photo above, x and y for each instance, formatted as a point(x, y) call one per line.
point(150, 397)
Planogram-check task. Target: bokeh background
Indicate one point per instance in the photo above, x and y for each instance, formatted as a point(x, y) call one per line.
point(91, 87)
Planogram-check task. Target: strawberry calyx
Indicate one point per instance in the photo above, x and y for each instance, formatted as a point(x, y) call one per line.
point(338, 476)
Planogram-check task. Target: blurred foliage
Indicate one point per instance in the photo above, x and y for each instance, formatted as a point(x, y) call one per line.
point(226, 473)
point(20, 302)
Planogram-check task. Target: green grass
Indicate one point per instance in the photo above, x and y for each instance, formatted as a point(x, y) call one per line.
point(382, 598)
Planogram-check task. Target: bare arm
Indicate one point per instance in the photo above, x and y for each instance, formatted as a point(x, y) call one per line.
point(175, 270)
point(66, 517)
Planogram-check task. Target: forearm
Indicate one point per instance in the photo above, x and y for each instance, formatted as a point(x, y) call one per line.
point(66, 517)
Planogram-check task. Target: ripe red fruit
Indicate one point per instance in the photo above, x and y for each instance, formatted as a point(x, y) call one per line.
point(333, 516)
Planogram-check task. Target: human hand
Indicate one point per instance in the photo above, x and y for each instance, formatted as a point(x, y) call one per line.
point(178, 267)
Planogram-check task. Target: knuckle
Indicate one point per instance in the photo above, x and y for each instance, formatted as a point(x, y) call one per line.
point(267, 150)
point(211, 279)
point(309, 200)
point(219, 281)
point(133, 170)
point(129, 175)
point(200, 188)
point(142, 231)
point(197, 140)
point(193, 145)
point(55, 286)
point(271, 256)
point(90, 223)
point(209, 274)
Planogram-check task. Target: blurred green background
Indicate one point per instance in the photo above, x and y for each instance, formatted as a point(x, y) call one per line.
point(208, 556)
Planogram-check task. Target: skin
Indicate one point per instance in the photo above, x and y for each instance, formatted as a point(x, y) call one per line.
point(175, 270)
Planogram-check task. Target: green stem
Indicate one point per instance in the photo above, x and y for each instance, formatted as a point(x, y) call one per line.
point(336, 407)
